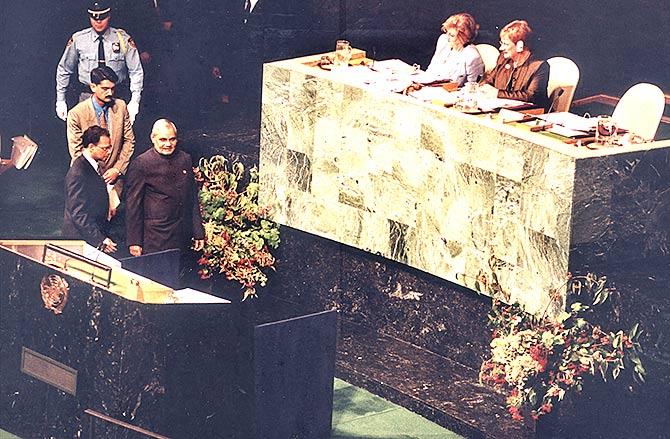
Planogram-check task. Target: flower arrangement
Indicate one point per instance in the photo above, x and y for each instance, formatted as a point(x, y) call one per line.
point(238, 239)
point(535, 361)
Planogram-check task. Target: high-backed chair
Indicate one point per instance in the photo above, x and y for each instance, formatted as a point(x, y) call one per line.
point(489, 55)
point(563, 79)
point(640, 110)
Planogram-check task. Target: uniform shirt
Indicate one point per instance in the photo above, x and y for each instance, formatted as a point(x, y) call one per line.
point(81, 56)
point(457, 66)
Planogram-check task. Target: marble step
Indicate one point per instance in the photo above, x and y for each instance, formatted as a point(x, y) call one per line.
point(440, 389)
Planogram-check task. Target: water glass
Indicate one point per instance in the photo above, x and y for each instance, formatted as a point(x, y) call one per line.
point(342, 54)
point(469, 96)
point(606, 130)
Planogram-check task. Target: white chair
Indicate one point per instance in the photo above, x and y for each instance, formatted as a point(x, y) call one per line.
point(563, 80)
point(640, 110)
point(489, 55)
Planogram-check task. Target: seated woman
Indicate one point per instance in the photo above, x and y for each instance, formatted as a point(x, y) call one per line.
point(517, 74)
point(456, 59)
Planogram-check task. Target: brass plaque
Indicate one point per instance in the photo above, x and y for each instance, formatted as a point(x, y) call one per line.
point(48, 370)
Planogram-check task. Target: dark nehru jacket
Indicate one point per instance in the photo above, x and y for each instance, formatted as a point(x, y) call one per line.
point(86, 204)
point(162, 210)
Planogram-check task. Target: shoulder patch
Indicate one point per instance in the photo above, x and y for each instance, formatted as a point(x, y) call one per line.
point(69, 42)
point(131, 43)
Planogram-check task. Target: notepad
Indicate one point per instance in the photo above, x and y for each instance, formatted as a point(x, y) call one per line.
point(570, 121)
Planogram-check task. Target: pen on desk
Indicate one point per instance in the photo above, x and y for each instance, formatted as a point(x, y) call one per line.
point(542, 127)
point(581, 141)
point(526, 118)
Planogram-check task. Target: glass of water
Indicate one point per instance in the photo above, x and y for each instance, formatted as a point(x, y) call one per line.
point(342, 54)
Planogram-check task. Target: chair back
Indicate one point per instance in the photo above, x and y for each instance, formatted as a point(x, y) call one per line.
point(563, 80)
point(489, 55)
point(640, 110)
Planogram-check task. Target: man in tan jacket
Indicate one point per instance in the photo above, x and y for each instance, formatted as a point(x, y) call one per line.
point(103, 110)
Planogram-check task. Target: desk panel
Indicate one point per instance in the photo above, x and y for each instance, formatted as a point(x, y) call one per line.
point(460, 196)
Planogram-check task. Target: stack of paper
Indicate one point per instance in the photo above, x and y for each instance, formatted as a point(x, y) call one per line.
point(571, 121)
point(394, 66)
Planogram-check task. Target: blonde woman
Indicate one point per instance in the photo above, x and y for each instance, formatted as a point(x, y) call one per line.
point(456, 59)
point(518, 74)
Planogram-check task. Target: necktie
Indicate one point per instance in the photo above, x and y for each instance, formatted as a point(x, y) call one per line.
point(101, 51)
point(103, 120)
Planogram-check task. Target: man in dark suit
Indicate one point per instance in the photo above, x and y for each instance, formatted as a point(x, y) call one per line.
point(162, 209)
point(86, 198)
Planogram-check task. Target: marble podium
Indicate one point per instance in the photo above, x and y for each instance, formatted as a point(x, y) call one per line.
point(463, 197)
point(88, 348)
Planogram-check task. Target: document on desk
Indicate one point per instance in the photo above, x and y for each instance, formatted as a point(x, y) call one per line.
point(439, 94)
point(492, 104)
point(384, 81)
point(189, 295)
point(570, 121)
point(394, 66)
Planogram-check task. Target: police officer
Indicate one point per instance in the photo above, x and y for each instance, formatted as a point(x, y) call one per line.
point(94, 47)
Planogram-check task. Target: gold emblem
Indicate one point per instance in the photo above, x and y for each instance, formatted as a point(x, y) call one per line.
point(131, 43)
point(54, 291)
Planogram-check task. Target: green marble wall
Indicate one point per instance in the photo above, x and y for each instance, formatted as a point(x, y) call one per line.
point(455, 195)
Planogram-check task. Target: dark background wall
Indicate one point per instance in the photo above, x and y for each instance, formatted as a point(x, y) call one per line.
point(616, 43)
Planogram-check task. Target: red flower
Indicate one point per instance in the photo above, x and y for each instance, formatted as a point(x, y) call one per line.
point(539, 354)
point(516, 415)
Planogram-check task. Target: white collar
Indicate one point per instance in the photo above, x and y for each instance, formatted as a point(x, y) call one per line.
point(87, 155)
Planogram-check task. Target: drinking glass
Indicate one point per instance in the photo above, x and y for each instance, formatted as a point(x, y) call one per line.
point(342, 54)
point(606, 130)
point(469, 96)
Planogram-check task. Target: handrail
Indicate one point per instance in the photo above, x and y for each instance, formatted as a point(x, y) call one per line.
point(125, 425)
point(612, 101)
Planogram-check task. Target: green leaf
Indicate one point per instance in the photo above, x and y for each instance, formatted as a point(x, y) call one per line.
point(603, 370)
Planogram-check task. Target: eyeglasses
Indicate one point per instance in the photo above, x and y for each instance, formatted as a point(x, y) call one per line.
point(505, 43)
point(99, 17)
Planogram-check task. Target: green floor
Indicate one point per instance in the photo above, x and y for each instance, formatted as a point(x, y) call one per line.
point(358, 413)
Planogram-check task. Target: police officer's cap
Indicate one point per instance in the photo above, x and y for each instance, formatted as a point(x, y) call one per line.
point(99, 9)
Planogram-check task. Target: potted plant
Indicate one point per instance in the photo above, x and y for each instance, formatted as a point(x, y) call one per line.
point(238, 238)
point(536, 361)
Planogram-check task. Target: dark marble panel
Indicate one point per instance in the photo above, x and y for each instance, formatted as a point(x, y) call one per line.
point(626, 208)
point(182, 370)
point(388, 296)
